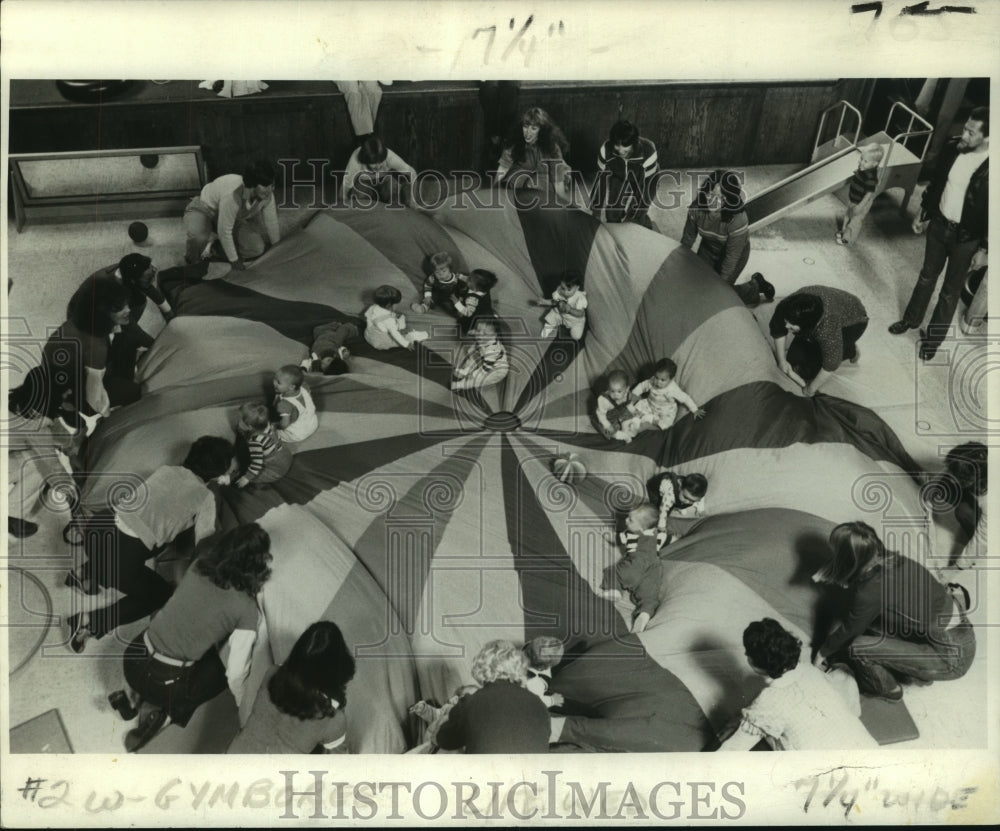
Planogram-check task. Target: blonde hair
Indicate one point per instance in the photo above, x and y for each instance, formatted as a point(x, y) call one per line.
point(646, 515)
point(442, 258)
point(872, 151)
point(500, 661)
point(255, 416)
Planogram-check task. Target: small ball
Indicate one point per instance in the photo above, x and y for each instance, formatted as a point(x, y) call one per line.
point(138, 232)
point(568, 468)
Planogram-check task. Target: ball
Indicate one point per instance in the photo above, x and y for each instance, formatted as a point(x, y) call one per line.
point(568, 468)
point(138, 232)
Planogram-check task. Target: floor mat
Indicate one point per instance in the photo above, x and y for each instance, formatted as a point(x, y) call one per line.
point(41, 734)
point(888, 721)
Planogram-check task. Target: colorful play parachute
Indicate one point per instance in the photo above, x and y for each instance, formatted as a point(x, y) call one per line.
point(426, 522)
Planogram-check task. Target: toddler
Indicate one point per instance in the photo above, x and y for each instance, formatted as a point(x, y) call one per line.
point(543, 653)
point(329, 353)
point(474, 299)
point(436, 716)
point(659, 396)
point(569, 307)
point(679, 496)
point(861, 194)
point(441, 286)
point(616, 409)
point(640, 570)
point(384, 327)
point(485, 363)
point(269, 458)
point(297, 419)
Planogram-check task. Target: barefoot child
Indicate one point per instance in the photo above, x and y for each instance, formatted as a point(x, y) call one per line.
point(616, 409)
point(297, 419)
point(659, 396)
point(384, 327)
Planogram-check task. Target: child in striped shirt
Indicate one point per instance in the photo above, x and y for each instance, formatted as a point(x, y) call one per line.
point(270, 459)
point(485, 363)
point(861, 194)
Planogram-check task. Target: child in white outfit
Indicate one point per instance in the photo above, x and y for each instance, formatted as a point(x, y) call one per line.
point(569, 307)
point(297, 419)
point(659, 396)
point(384, 328)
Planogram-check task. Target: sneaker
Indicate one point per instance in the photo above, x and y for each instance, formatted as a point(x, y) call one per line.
point(841, 240)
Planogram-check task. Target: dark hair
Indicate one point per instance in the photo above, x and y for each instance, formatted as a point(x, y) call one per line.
point(92, 304)
point(571, 278)
point(982, 115)
point(386, 296)
point(260, 172)
point(730, 188)
point(482, 280)
point(695, 484)
point(372, 151)
point(666, 365)
point(624, 133)
point(550, 137)
point(209, 457)
point(857, 553)
point(337, 366)
point(236, 559)
point(968, 464)
point(317, 670)
point(802, 310)
point(771, 647)
point(132, 267)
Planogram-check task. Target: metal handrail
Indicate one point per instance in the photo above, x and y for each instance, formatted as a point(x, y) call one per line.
point(843, 105)
point(909, 132)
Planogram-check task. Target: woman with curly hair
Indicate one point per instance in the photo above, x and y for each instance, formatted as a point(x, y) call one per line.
point(718, 217)
point(897, 621)
point(799, 709)
point(174, 666)
point(503, 716)
point(299, 707)
point(73, 375)
point(534, 157)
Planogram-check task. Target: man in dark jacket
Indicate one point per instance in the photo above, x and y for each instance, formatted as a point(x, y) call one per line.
point(954, 212)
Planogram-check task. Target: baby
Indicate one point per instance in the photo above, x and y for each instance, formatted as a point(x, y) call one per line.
point(569, 307)
point(640, 571)
point(659, 396)
point(384, 327)
point(441, 286)
point(269, 458)
point(436, 716)
point(329, 353)
point(474, 299)
point(485, 363)
point(616, 409)
point(679, 496)
point(297, 419)
point(543, 653)
point(861, 193)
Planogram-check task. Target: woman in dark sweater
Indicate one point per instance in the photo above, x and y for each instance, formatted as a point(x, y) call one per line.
point(502, 717)
point(718, 217)
point(534, 158)
point(896, 622)
point(830, 321)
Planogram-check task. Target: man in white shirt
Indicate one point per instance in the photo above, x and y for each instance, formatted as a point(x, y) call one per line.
point(954, 212)
point(240, 209)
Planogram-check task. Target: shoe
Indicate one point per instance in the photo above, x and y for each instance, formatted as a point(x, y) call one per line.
point(857, 356)
point(763, 286)
point(841, 240)
point(21, 528)
point(899, 327)
point(149, 725)
point(927, 349)
point(895, 694)
point(119, 700)
point(79, 634)
point(961, 595)
point(73, 581)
